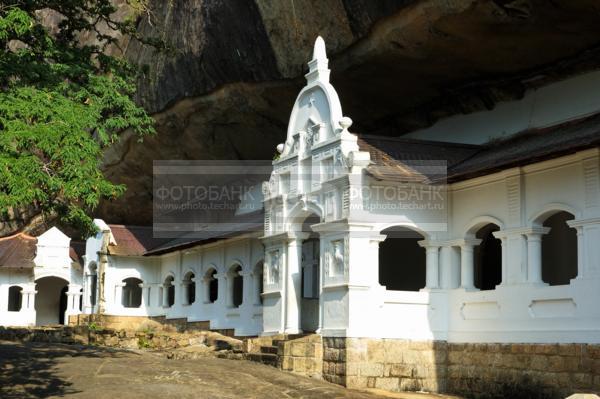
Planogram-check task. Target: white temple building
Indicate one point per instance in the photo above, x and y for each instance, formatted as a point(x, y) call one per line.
point(484, 228)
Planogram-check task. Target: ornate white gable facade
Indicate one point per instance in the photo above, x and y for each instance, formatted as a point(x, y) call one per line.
point(321, 191)
point(49, 292)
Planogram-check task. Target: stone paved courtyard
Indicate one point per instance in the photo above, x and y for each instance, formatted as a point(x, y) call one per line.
point(54, 370)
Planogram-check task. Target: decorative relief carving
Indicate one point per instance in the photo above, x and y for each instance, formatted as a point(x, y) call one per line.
point(274, 263)
point(267, 221)
point(335, 259)
point(295, 143)
point(346, 201)
point(340, 159)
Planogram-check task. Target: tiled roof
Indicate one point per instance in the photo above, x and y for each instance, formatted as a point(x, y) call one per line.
point(412, 160)
point(530, 146)
point(238, 225)
point(17, 251)
point(76, 251)
point(140, 240)
point(133, 240)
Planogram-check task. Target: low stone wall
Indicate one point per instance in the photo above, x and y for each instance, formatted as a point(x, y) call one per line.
point(127, 339)
point(472, 370)
point(63, 335)
point(302, 355)
point(134, 322)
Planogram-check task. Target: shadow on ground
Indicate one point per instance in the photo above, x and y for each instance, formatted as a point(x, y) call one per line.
point(30, 370)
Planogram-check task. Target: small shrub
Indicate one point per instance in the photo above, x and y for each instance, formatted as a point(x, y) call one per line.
point(143, 343)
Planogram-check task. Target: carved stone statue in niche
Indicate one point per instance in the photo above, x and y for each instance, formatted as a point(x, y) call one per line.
point(273, 270)
point(336, 258)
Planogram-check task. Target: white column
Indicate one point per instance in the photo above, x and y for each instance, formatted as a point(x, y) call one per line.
point(534, 255)
point(293, 282)
point(73, 295)
point(432, 267)
point(145, 288)
point(165, 296)
point(467, 264)
point(28, 304)
point(248, 288)
point(229, 293)
point(118, 300)
point(206, 287)
point(185, 286)
point(223, 295)
point(449, 266)
point(256, 277)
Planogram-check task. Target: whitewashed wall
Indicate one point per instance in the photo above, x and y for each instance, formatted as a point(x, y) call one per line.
point(23, 279)
point(154, 270)
point(52, 260)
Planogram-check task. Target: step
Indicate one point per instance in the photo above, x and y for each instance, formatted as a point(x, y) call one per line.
point(268, 349)
point(264, 358)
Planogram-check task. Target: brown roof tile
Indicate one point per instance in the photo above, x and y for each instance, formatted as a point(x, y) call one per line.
point(530, 146)
point(17, 251)
point(76, 251)
point(133, 240)
point(412, 160)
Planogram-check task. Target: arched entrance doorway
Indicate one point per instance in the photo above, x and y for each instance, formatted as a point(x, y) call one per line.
point(50, 300)
point(310, 269)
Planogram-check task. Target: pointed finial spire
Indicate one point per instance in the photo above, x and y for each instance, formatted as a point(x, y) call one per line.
point(317, 67)
point(319, 52)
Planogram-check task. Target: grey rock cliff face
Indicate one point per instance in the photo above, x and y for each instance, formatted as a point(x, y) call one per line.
point(227, 90)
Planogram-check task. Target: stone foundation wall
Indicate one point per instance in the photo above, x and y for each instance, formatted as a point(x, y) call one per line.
point(557, 370)
point(473, 370)
point(134, 322)
point(302, 355)
point(388, 364)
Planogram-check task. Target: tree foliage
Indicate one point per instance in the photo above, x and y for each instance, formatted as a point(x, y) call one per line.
point(63, 101)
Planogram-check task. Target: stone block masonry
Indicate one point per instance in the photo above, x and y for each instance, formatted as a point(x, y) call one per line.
point(303, 355)
point(473, 370)
point(388, 364)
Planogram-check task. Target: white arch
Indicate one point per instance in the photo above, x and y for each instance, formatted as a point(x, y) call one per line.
point(478, 222)
point(188, 272)
point(168, 274)
point(234, 262)
point(301, 210)
point(212, 267)
point(64, 275)
point(233, 265)
point(205, 268)
point(136, 276)
point(550, 209)
point(407, 225)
